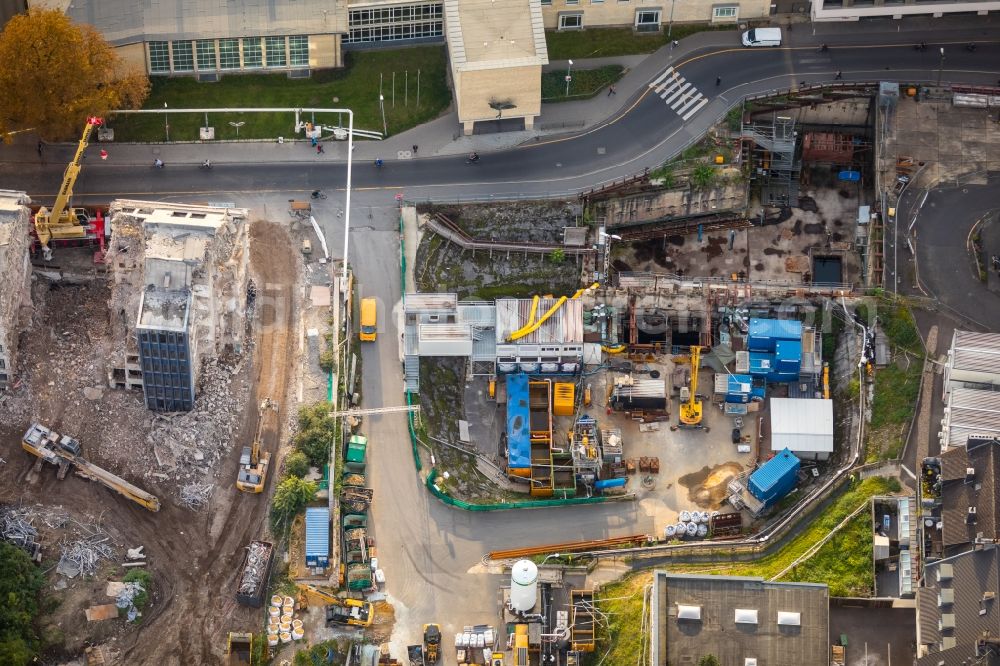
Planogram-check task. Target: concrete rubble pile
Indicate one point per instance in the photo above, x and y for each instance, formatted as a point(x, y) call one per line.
point(15, 274)
point(189, 442)
point(160, 253)
point(196, 495)
point(82, 553)
point(256, 569)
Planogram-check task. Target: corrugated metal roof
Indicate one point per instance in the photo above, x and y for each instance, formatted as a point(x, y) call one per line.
point(778, 329)
point(458, 332)
point(775, 469)
point(976, 352)
point(318, 531)
point(477, 314)
point(802, 425)
point(414, 303)
point(565, 326)
point(971, 411)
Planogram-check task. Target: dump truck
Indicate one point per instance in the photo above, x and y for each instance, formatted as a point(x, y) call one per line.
point(239, 649)
point(251, 583)
point(352, 612)
point(65, 453)
point(432, 643)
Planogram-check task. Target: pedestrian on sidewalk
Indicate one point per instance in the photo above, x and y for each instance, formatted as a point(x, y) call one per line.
point(612, 91)
point(718, 80)
point(39, 148)
point(675, 44)
point(840, 75)
point(319, 148)
point(415, 147)
point(314, 142)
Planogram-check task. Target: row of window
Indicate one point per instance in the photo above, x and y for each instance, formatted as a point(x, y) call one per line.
point(180, 57)
point(645, 19)
point(161, 382)
point(389, 33)
point(387, 24)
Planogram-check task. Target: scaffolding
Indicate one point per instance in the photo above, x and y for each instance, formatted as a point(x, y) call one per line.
point(775, 160)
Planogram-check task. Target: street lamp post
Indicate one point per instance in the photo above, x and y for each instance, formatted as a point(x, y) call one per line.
point(670, 24)
point(166, 123)
point(381, 105)
point(237, 125)
point(548, 557)
point(569, 76)
point(940, 67)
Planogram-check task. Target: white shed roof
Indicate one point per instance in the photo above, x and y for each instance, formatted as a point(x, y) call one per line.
point(976, 352)
point(801, 424)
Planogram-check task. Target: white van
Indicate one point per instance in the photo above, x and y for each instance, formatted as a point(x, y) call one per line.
point(762, 37)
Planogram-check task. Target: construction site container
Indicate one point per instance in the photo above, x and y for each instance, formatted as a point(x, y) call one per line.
point(359, 576)
point(764, 333)
point(317, 537)
point(518, 426)
point(788, 355)
point(644, 394)
point(736, 388)
point(775, 478)
point(563, 399)
point(251, 582)
point(356, 448)
point(761, 364)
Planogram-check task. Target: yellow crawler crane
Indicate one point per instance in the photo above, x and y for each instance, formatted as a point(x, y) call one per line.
point(63, 221)
point(690, 411)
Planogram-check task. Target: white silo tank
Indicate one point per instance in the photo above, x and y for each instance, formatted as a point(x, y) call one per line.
point(523, 586)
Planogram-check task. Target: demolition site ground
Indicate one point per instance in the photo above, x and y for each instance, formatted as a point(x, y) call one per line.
point(193, 552)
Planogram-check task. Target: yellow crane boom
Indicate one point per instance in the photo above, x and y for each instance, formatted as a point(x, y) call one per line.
point(690, 411)
point(62, 221)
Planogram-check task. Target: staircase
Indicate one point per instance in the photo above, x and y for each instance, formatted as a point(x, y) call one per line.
point(411, 374)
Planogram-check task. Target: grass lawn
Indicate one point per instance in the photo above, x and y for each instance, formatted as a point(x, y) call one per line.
point(586, 83)
point(843, 563)
point(896, 386)
point(356, 86)
point(606, 42)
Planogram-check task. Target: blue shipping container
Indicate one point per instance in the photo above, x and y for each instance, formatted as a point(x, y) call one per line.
point(761, 363)
point(317, 537)
point(788, 354)
point(780, 377)
point(518, 423)
point(738, 388)
point(764, 333)
point(775, 478)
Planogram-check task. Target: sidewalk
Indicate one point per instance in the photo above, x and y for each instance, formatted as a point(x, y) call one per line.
point(443, 135)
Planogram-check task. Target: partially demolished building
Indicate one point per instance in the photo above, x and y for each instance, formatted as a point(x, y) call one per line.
point(15, 269)
point(178, 295)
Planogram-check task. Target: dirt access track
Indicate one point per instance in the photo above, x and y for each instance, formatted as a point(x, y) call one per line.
point(193, 556)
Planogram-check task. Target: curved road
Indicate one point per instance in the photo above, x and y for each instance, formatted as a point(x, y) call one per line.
point(426, 548)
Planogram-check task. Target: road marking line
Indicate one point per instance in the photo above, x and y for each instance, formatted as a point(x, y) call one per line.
point(696, 109)
point(680, 91)
point(669, 92)
point(669, 85)
point(687, 96)
point(662, 76)
point(689, 103)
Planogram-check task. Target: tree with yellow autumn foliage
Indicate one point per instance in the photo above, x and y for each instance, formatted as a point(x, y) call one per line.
point(54, 74)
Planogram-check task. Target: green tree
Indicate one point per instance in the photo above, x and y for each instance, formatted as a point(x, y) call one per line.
point(316, 433)
point(20, 584)
point(557, 256)
point(709, 660)
point(291, 497)
point(296, 464)
point(55, 73)
point(703, 176)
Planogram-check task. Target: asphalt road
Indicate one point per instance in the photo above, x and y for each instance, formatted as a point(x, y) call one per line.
point(426, 548)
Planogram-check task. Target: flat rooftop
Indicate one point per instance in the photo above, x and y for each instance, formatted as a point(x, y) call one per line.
point(738, 618)
point(487, 34)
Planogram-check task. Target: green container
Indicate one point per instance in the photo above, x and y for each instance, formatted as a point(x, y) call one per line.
point(355, 520)
point(356, 448)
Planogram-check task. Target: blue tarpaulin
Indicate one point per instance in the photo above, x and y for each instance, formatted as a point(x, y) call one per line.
point(851, 176)
point(518, 423)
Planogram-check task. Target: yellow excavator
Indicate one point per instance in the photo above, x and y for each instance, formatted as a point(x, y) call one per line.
point(690, 411)
point(252, 474)
point(64, 221)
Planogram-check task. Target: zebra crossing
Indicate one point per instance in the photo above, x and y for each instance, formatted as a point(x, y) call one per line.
point(678, 93)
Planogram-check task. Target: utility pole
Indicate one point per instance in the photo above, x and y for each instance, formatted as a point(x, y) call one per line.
point(940, 67)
